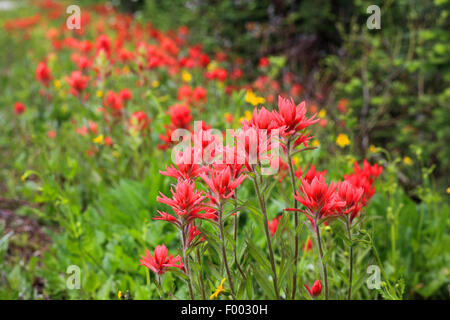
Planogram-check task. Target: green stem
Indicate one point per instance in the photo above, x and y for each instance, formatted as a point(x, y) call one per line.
point(380, 264)
point(202, 284)
point(224, 251)
point(324, 267)
point(268, 237)
point(186, 263)
point(350, 277)
point(292, 175)
point(236, 223)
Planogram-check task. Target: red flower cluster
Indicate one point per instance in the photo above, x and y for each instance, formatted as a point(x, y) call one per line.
point(160, 262)
point(364, 178)
point(319, 198)
point(43, 74)
point(323, 201)
point(180, 118)
point(19, 108)
point(78, 82)
point(189, 95)
point(186, 202)
point(139, 121)
point(221, 183)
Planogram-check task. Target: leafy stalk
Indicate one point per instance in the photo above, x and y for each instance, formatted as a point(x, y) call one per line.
point(269, 240)
point(324, 267)
point(292, 176)
point(224, 252)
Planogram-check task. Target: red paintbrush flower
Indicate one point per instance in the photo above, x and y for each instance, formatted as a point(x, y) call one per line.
point(19, 108)
point(160, 262)
point(273, 225)
point(125, 95)
point(78, 82)
point(113, 101)
point(262, 119)
point(315, 290)
point(368, 171)
point(319, 198)
point(291, 117)
point(312, 172)
point(254, 145)
point(139, 120)
point(352, 197)
point(221, 183)
point(184, 93)
point(263, 62)
point(43, 74)
point(187, 166)
point(193, 234)
point(180, 116)
point(308, 245)
point(186, 203)
point(364, 178)
point(103, 43)
point(199, 94)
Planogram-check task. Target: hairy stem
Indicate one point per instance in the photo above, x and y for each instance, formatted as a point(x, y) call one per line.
point(236, 224)
point(350, 276)
point(202, 284)
point(292, 175)
point(224, 251)
point(268, 237)
point(324, 267)
point(186, 263)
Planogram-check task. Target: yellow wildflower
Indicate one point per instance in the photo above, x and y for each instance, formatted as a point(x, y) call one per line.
point(99, 93)
point(120, 294)
point(186, 76)
point(315, 143)
point(218, 290)
point(57, 84)
point(126, 69)
point(407, 160)
point(342, 140)
point(211, 66)
point(351, 160)
point(322, 113)
point(448, 190)
point(373, 149)
point(155, 84)
point(253, 99)
point(295, 160)
point(99, 139)
point(248, 115)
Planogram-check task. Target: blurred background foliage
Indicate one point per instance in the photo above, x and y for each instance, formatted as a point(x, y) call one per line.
point(396, 79)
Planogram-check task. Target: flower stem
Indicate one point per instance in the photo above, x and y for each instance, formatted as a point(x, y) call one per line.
point(202, 284)
point(324, 267)
point(186, 263)
point(236, 224)
point(269, 241)
point(224, 251)
point(350, 277)
point(292, 175)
